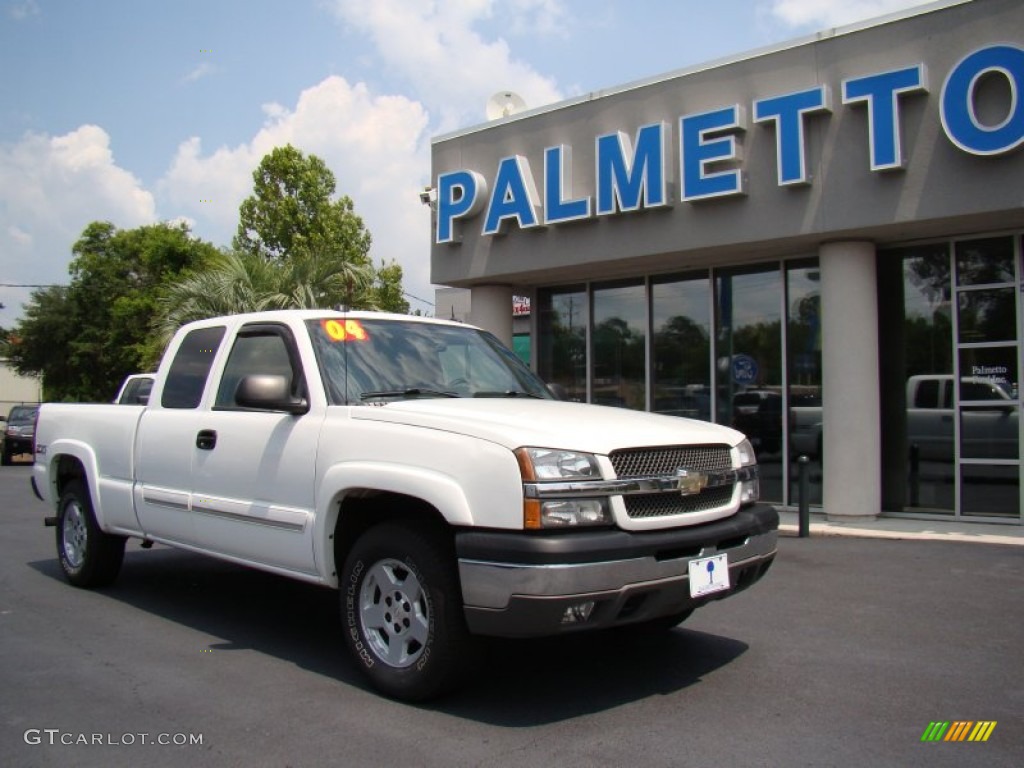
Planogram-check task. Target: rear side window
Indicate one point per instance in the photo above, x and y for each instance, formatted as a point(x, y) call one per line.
point(191, 367)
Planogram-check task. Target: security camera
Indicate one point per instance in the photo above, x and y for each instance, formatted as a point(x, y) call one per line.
point(428, 196)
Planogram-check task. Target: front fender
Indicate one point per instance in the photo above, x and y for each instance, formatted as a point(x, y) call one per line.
point(436, 488)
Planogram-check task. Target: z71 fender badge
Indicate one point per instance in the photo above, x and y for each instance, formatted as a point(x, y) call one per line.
point(690, 482)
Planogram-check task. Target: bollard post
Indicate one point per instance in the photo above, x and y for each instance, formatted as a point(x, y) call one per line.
point(915, 474)
point(804, 502)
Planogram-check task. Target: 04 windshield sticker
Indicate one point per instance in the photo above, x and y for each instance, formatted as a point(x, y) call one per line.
point(344, 330)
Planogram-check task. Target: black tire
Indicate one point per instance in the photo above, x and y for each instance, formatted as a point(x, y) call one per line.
point(6, 459)
point(401, 606)
point(88, 556)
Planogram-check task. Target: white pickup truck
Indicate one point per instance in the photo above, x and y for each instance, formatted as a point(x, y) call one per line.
point(417, 467)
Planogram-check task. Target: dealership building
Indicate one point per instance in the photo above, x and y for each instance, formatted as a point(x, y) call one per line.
point(819, 243)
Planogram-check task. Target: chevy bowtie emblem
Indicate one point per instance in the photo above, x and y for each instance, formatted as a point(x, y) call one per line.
point(690, 482)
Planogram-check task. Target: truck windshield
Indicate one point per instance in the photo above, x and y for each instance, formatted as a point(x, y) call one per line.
point(368, 360)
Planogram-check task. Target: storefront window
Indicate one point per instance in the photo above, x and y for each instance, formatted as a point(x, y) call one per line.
point(803, 339)
point(619, 341)
point(562, 342)
point(681, 323)
point(916, 366)
point(956, 379)
point(748, 370)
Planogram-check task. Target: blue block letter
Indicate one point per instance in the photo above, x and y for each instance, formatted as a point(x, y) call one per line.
point(460, 194)
point(514, 196)
point(697, 150)
point(787, 112)
point(881, 93)
point(558, 184)
point(628, 180)
point(959, 120)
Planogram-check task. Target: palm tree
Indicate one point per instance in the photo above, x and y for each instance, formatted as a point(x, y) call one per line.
point(236, 282)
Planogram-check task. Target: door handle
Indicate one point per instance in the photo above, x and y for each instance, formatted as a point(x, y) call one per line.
point(206, 440)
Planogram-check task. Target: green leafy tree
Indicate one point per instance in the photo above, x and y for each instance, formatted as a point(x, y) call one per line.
point(295, 247)
point(84, 338)
point(291, 212)
point(387, 293)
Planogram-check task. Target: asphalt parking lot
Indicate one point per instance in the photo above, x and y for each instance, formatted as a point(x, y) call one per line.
point(842, 656)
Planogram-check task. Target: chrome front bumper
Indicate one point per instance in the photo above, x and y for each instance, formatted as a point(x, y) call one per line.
point(524, 588)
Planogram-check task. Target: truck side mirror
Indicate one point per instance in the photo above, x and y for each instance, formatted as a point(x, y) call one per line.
point(270, 393)
point(558, 391)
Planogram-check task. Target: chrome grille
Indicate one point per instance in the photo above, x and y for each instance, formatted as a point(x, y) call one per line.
point(664, 504)
point(657, 462)
point(654, 462)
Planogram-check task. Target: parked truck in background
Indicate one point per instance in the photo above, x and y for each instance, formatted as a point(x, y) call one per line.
point(420, 469)
point(988, 419)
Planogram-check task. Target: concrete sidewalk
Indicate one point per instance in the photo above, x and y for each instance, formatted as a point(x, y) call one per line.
point(905, 528)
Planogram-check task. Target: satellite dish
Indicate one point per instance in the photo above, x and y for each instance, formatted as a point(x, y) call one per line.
point(504, 103)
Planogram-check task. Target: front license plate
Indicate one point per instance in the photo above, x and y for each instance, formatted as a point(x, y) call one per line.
point(709, 575)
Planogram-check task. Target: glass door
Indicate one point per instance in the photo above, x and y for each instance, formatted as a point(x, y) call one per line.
point(987, 395)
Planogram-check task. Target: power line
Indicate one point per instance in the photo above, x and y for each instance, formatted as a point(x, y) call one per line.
point(405, 293)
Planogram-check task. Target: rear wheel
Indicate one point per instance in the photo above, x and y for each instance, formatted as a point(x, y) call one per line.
point(88, 556)
point(402, 609)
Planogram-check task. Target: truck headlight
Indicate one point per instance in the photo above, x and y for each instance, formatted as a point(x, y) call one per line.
point(750, 489)
point(542, 464)
point(546, 466)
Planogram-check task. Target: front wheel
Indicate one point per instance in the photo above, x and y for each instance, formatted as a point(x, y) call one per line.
point(88, 556)
point(402, 610)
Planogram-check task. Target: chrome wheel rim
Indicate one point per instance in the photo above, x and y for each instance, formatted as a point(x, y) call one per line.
point(394, 613)
point(75, 534)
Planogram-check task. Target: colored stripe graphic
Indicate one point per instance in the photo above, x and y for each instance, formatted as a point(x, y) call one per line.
point(958, 730)
point(982, 730)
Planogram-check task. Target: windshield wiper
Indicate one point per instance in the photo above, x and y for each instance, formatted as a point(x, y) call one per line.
point(508, 393)
point(410, 392)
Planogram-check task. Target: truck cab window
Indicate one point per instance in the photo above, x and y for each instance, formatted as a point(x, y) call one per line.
point(258, 353)
point(927, 394)
point(191, 366)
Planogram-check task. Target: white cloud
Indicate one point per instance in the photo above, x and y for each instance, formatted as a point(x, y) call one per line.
point(832, 13)
point(451, 68)
point(199, 72)
point(21, 11)
point(376, 146)
point(51, 187)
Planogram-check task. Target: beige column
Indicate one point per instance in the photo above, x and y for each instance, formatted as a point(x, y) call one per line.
point(852, 431)
point(491, 309)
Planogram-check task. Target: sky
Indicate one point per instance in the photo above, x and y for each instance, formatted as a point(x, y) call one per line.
point(139, 111)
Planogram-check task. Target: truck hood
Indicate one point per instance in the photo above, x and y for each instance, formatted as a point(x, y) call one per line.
point(517, 422)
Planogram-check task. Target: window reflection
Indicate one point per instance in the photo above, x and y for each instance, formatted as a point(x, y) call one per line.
point(803, 291)
point(748, 371)
point(562, 343)
point(916, 366)
point(680, 314)
point(619, 340)
point(985, 261)
point(987, 315)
